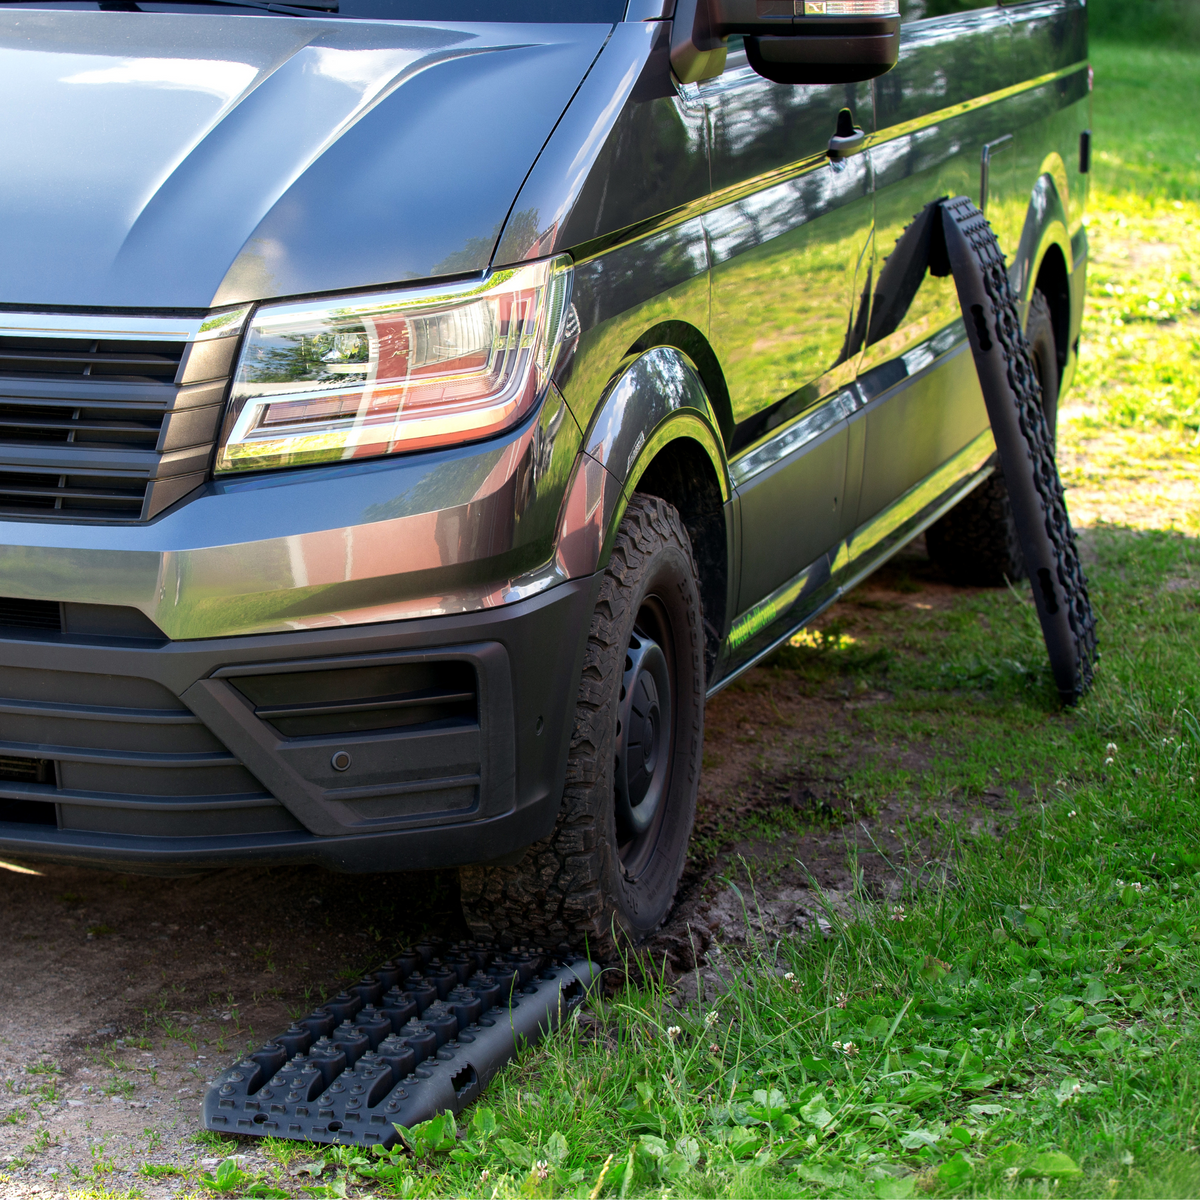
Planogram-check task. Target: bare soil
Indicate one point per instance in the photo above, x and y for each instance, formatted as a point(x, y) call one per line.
point(123, 995)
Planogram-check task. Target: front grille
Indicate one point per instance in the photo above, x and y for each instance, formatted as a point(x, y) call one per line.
point(106, 428)
point(52, 492)
point(85, 356)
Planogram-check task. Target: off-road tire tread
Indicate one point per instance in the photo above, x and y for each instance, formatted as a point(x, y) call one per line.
point(556, 893)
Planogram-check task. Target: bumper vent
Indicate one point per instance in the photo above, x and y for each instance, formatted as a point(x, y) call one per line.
point(96, 426)
point(357, 699)
point(30, 614)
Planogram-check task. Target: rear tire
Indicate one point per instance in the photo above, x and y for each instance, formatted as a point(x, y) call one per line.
point(976, 543)
point(609, 871)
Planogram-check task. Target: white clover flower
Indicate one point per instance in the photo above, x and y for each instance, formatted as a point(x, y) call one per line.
point(1071, 814)
point(898, 913)
point(542, 1167)
point(1120, 883)
point(842, 1000)
point(1108, 762)
point(1137, 887)
point(1110, 749)
point(849, 1049)
point(790, 977)
point(714, 1049)
point(710, 1019)
point(838, 1047)
point(673, 1033)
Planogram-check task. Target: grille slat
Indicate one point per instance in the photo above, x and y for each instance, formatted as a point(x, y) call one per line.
point(82, 417)
point(68, 363)
point(88, 356)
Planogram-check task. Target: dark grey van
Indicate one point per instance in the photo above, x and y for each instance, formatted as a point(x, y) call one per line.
point(412, 410)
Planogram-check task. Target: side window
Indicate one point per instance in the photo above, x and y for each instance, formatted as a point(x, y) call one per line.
point(918, 10)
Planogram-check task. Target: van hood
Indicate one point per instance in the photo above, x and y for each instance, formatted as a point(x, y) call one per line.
point(188, 161)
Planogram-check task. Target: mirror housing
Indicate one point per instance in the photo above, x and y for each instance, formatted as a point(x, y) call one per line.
point(788, 41)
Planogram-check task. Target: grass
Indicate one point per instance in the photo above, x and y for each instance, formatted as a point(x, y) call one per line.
point(1133, 416)
point(1022, 1022)
point(1021, 1019)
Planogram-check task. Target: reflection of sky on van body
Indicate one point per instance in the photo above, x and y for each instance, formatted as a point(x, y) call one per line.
point(143, 151)
point(747, 110)
point(147, 113)
point(225, 80)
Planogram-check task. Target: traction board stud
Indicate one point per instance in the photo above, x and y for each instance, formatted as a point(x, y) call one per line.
point(421, 1035)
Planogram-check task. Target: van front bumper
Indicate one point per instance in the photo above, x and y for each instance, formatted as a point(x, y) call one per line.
point(405, 745)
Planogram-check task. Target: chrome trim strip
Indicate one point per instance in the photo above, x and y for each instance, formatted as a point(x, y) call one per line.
point(143, 329)
point(804, 429)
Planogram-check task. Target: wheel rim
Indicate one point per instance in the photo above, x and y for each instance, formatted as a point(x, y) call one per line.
point(645, 738)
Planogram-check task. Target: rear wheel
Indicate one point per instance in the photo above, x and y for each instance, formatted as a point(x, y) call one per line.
point(609, 871)
point(976, 543)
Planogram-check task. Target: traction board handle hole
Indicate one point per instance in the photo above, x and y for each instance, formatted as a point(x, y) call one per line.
point(462, 1081)
point(981, 329)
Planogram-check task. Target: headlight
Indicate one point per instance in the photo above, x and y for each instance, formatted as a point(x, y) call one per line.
point(371, 375)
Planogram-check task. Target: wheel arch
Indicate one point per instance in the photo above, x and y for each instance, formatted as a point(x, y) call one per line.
point(1044, 253)
point(657, 430)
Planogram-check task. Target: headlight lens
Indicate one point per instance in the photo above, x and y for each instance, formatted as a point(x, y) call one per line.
point(403, 371)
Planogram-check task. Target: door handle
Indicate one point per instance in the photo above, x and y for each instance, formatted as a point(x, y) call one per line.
point(848, 139)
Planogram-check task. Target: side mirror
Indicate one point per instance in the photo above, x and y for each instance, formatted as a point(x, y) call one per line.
point(788, 41)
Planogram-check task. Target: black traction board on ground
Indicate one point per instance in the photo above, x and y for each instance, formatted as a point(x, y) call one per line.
point(422, 1034)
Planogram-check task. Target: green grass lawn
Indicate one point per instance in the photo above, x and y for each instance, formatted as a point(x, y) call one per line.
point(1023, 1021)
point(1130, 432)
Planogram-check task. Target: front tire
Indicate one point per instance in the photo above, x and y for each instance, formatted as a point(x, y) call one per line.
point(609, 871)
point(975, 543)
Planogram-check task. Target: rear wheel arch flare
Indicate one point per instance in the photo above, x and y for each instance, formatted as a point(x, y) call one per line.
point(1045, 229)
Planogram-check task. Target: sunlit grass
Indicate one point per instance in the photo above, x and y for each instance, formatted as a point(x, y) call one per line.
point(1129, 430)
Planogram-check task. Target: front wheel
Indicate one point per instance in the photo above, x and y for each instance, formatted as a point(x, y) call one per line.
point(609, 871)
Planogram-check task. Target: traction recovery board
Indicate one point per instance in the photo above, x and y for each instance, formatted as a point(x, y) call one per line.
point(420, 1035)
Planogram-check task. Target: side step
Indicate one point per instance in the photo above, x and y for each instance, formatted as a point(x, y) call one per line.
point(421, 1035)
